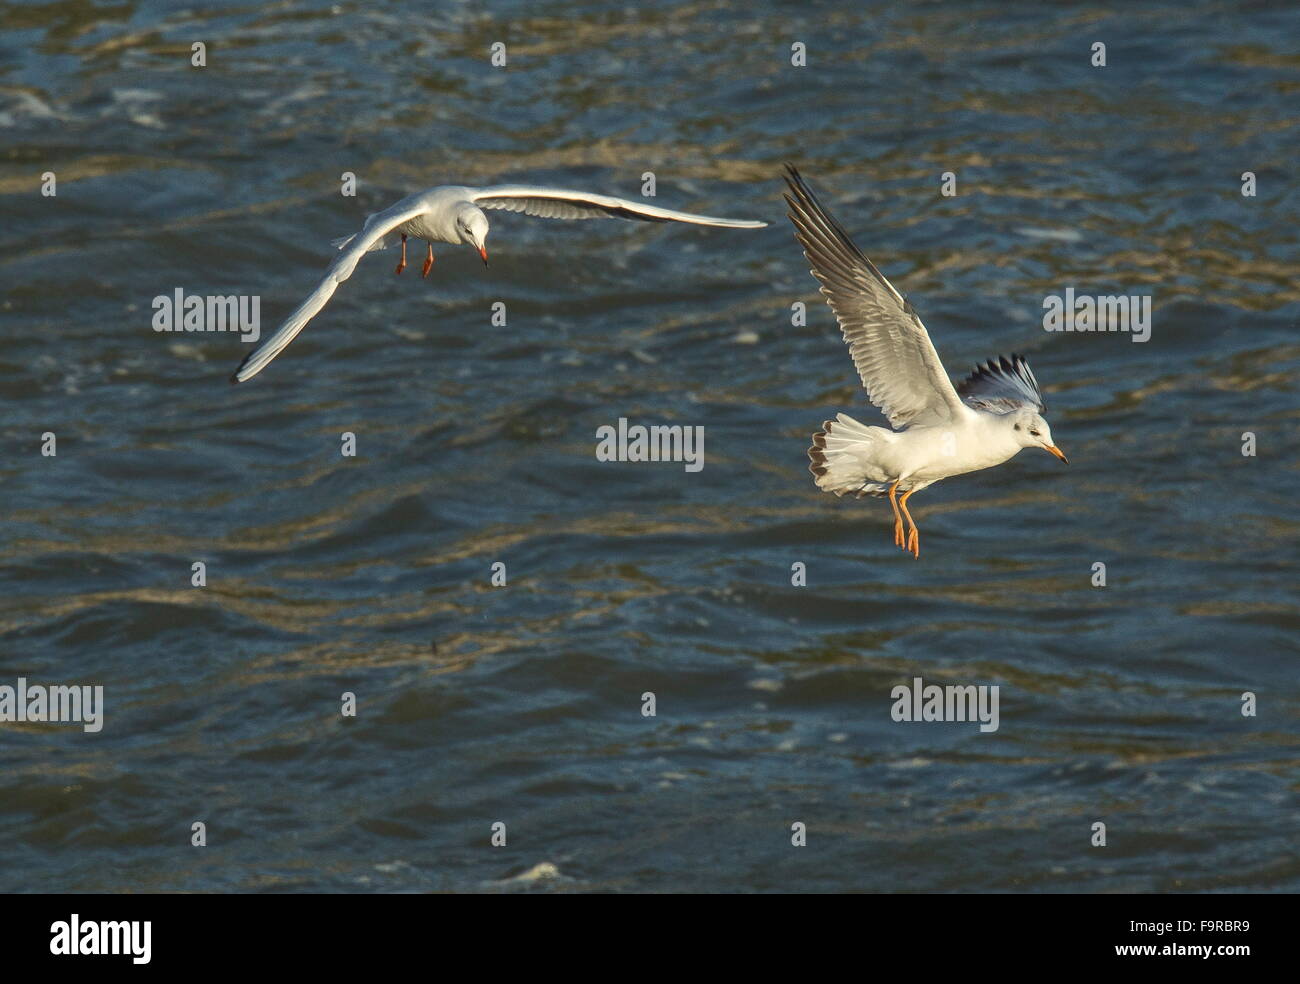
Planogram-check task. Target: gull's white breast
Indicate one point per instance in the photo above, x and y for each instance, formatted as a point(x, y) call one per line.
point(438, 222)
point(930, 453)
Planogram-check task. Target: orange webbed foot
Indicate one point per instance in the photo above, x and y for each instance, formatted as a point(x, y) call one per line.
point(913, 534)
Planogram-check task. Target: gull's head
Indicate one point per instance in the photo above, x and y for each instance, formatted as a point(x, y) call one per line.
point(472, 227)
point(1031, 431)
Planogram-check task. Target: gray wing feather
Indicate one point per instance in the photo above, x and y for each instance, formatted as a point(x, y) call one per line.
point(561, 203)
point(889, 345)
point(548, 208)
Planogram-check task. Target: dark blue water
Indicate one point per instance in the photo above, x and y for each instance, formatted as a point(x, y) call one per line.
point(475, 443)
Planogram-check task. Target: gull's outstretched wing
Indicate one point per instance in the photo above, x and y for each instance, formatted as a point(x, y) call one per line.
point(560, 203)
point(1002, 385)
point(890, 347)
point(372, 233)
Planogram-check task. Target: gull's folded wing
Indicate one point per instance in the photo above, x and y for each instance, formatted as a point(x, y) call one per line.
point(376, 228)
point(892, 350)
point(560, 203)
point(1002, 385)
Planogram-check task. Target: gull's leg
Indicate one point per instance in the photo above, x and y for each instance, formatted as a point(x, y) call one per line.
point(402, 265)
point(913, 534)
point(428, 262)
point(898, 520)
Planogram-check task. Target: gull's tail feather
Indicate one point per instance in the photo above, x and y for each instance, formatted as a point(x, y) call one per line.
point(839, 457)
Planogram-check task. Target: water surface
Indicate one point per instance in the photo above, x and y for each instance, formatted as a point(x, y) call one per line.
point(475, 446)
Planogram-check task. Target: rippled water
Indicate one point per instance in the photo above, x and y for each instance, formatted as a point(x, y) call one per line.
point(475, 445)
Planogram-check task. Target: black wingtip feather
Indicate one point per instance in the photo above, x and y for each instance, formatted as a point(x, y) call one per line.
point(1016, 368)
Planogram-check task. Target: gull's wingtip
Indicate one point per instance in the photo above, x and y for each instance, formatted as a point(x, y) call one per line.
point(795, 182)
point(241, 374)
point(729, 223)
point(732, 223)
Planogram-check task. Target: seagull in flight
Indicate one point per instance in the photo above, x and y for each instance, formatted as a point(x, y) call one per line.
point(456, 214)
point(938, 430)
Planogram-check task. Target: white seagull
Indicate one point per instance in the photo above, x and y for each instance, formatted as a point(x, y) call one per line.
point(939, 430)
point(455, 214)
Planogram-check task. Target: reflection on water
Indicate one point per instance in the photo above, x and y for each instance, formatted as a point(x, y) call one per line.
point(372, 574)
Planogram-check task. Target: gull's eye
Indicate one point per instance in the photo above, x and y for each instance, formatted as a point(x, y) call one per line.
point(1017, 427)
point(1035, 434)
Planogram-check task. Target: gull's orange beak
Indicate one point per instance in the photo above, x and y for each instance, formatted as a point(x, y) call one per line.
point(1057, 451)
point(482, 251)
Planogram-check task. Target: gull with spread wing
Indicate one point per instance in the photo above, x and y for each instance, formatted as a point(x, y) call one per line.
point(939, 430)
point(456, 214)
